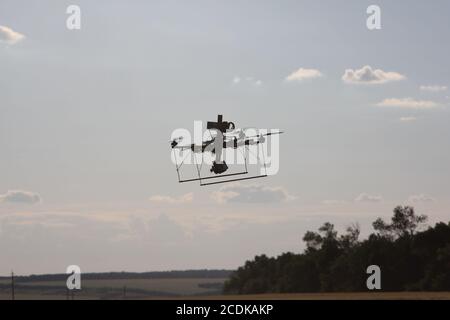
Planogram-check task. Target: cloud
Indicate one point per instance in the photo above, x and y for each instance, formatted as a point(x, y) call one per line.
point(408, 119)
point(304, 74)
point(21, 197)
point(132, 240)
point(420, 198)
point(364, 197)
point(434, 88)
point(367, 75)
point(9, 36)
point(186, 198)
point(256, 82)
point(238, 193)
point(407, 103)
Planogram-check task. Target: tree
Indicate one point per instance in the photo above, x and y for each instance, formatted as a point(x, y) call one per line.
point(404, 222)
point(410, 259)
point(314, 240)
point(350, 239)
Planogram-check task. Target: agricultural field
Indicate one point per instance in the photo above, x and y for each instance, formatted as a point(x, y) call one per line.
point(201, 286)
point(183, 288)
point(115, 288)
point(335, 296)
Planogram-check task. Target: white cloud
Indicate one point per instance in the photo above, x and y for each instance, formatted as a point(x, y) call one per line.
point(9, 36)
point(251, 80)
point(186, 198)
point(304, 74)
point(420, 198)
point(21, 197)
point(408, 119)
point(367, 75)
point(433, 88)
point(364, 197)
point(250, 194)
point(174, 238)
point(407, 103)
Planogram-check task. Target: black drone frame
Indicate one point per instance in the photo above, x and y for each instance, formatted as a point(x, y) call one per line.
point(220, 176)
point(221, 126)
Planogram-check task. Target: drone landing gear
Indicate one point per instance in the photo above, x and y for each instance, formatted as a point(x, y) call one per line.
point(219, 168)
point(233, 180)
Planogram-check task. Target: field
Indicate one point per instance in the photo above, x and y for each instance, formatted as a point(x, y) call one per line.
point(115, 288)
point(336, 296)
point(192, 288)
point(182, 288)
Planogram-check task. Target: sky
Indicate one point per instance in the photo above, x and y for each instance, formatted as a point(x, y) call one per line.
point(86, 117)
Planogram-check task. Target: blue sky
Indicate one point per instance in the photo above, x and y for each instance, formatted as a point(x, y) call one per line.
point(86, 115)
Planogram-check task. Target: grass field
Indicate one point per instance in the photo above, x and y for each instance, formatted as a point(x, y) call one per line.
point(335, 296)
point(293, 296)
point(115, 288)
point(182, 288)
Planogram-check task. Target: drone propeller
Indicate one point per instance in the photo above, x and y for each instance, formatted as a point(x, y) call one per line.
point(176, 141)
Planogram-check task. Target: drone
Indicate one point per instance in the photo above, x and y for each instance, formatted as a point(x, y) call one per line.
point(222, 135)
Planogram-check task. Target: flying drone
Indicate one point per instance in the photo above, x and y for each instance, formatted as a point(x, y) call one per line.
point(222, 135)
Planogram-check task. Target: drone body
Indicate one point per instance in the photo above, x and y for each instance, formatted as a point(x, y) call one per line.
point(223, 135)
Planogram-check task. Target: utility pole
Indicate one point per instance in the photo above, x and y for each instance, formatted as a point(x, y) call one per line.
point(13, 294)
point(124, 292)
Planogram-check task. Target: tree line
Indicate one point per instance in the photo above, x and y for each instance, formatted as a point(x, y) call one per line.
point(409, 257)
point(175, 274)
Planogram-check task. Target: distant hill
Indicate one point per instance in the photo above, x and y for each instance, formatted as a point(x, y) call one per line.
point(174, 274)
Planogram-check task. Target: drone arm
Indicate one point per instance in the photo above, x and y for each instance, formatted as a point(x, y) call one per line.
point(266, 134)
point(193, 147)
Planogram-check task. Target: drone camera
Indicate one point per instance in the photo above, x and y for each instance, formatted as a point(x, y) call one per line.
point(220, 125)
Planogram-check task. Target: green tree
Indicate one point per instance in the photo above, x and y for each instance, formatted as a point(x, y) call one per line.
point(404, 222)
point(410, 259)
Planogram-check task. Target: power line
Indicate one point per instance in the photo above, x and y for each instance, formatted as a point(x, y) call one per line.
point(13, 294)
